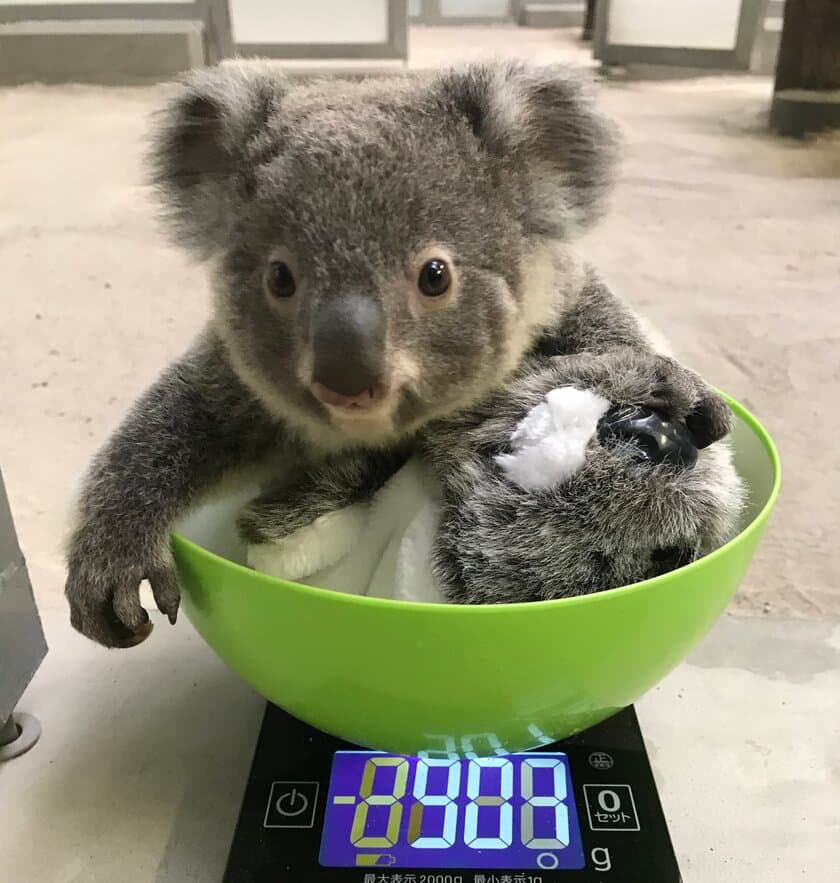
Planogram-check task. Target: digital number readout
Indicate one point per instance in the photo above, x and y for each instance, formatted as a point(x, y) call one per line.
point(516, 811)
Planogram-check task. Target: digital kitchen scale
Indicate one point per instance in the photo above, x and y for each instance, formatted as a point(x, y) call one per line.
point(584, 810)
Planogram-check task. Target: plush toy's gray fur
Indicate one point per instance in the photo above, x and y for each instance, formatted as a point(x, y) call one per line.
point(350, 184)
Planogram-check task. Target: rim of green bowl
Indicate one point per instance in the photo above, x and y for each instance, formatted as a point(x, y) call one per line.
point(445, 609)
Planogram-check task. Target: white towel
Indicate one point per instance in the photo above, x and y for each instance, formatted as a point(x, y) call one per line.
point(383, 548)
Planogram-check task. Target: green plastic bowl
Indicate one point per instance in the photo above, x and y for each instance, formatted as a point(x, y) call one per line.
point(404, 677)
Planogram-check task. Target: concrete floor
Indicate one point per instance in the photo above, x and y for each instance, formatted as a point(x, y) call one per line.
point(725, 236)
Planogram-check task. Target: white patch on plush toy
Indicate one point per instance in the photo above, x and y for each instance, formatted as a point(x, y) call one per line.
point(312, 548)
point(549, 443)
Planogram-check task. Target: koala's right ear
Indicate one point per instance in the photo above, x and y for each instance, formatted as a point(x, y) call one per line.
point(541, 124)
point(203, 146)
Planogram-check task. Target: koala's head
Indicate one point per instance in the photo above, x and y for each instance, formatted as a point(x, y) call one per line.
point(382, 252)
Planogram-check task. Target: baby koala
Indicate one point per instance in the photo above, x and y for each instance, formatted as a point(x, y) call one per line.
point(382, 256)
point(534, 496)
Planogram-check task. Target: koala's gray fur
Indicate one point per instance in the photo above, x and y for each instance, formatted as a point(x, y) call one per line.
point(615, 522)
point(349, 181)
point(195, 424)
point(497, 165)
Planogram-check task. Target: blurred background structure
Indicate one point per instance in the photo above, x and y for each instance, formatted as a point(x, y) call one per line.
point(130, 41)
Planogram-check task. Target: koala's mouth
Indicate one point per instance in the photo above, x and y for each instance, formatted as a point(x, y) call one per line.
point(370, 411)
point(367, 400)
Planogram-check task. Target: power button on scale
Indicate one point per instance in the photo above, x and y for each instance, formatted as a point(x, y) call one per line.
point(291, 805)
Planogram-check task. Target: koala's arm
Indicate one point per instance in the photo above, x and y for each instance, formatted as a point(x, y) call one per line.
point(332, 484)
point(196, 423)
point(629, 371)
point(593, 321)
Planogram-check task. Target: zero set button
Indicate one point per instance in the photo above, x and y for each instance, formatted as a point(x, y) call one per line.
point(611, 808)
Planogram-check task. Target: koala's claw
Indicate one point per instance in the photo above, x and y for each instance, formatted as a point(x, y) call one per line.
point(167, 595)
point(652, 381)
point(128, 609)
point(104, 599)
point(709, 420)
point(100, 622)
point(682, 393)
point(633, 377)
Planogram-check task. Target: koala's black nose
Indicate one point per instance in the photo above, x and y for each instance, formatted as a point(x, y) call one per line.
point(348, 338)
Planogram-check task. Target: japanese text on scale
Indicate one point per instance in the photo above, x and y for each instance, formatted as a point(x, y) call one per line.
point(450, 878)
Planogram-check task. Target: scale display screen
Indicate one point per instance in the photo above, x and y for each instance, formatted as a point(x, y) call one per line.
point(514, 811)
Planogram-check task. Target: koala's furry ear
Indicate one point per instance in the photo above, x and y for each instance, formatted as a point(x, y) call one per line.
point(202, 141)
point(542, 123)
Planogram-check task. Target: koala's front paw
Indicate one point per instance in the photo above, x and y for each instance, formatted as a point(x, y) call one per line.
point(630, 377)
point(680, 392)
point(103, 588)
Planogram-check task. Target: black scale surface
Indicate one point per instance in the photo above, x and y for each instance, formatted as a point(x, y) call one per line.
point(291, 772)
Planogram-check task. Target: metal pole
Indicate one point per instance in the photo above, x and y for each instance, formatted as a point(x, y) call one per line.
point(9, 731)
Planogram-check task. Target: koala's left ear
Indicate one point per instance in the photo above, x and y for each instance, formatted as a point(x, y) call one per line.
point(541, 124)
point(206, 141)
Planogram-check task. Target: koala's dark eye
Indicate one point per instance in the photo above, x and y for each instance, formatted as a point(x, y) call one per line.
point(434, 278)
point(280, 279)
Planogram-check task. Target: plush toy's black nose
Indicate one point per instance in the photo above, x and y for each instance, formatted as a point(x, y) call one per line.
point(348, 338)
point(656, 437)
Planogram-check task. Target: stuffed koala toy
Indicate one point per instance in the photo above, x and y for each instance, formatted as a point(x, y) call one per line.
point(543, 490)
point(382, 255)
